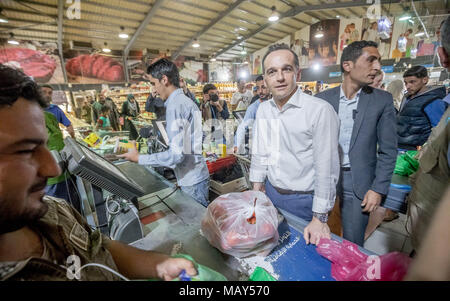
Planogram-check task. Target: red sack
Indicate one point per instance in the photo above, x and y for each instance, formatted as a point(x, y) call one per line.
point(350, 264)
point(242, 224)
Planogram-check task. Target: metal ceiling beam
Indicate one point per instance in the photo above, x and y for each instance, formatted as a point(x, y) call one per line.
point(301, 9)
point(138, 31)
point(207, 27)
point(60, 35)
point(12, 27)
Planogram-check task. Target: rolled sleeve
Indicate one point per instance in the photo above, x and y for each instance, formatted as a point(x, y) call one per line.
point(258, 166)
point(326, 159)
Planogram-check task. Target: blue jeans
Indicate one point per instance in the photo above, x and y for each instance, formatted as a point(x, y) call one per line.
point(298, 204)
point(354, 221)
point(199, 192)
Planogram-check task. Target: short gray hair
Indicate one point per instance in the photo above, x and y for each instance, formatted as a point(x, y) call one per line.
point(445, 35)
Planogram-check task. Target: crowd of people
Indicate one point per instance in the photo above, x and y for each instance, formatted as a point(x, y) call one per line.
point(307, 151)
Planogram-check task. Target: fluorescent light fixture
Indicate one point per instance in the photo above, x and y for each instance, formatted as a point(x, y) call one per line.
point(419, 34)
point(11, 40)
point(404, 17)
point(195, 44)
point(239, 37)
point(411, 21)
point(242, 28)
point(213, 60)
point(122, 34)
point(338, 16)
point(3, 18)
point(106, 49)
point(274, 16)
point(319, 35)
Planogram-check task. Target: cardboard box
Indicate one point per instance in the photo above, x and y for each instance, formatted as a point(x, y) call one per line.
point(237, 185)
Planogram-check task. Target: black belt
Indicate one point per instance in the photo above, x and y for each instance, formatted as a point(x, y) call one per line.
point(287, 191)
point(346, 168)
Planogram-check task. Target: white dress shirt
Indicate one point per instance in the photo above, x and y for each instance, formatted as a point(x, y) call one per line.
point(296, 148)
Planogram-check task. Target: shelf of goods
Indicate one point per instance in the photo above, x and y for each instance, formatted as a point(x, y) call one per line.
point(140, 96)
point(226, 90)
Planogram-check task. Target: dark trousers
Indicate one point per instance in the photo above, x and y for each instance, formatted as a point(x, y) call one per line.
point(354, 221)
point(298, 204)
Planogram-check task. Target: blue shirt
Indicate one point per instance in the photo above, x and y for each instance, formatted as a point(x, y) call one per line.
point(184, 130)
point(249, 118)
point(59, 114)
point(347, 107)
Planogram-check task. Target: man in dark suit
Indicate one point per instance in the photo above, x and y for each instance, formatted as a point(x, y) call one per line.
point(367, 137)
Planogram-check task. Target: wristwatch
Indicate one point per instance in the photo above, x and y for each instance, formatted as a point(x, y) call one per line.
point(322, 217)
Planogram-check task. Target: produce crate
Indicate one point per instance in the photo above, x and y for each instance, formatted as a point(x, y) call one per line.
point(237, 185)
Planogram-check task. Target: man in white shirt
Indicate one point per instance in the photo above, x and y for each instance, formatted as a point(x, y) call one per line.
point(241, 99)
point(295, 156)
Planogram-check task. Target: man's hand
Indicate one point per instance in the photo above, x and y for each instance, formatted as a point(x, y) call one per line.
point(172, 267)
point(132, 154)
point(371, 201)
point(315, 231)
point(259, 187)
point(217, 105)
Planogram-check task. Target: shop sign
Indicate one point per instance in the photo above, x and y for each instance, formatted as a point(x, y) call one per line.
point(387, 69)
point(335, 74)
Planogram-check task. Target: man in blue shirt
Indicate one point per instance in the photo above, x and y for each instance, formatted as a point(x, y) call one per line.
point(250, 115)
point(47, 91)
point(420, 110)
point(184, 130)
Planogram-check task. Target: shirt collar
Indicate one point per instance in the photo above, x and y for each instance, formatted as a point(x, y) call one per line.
point(295, 100)
point(173, 95)
point(343, 97)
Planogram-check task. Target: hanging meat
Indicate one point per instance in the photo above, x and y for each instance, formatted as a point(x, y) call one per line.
point(33, 63)
point(97, 66)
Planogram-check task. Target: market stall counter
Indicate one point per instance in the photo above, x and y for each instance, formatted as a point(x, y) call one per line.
point(172, 222)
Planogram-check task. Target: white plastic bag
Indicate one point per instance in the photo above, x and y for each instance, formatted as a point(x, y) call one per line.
point(242, 224)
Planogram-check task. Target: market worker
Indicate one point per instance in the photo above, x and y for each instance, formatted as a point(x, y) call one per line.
point(367, 140)
point(130, 110)
point(61, 186)
point(433, 176)
point(421, 109)
point(97, 108)
point(295, 146)
point(250, 115)
point(47, 92)
point(184, 130)
point(241, 99)
point(38, 233)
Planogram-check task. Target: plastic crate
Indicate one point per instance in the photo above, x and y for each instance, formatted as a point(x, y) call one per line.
point(220, 163)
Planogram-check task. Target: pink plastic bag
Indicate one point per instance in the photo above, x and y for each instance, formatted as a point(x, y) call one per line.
point(350, 264)
point(242, 224)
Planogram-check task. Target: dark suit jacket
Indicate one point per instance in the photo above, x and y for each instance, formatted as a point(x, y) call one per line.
point(374, 126)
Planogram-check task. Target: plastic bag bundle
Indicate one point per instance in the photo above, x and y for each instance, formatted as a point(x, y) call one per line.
point(242, 224)
point(406, 164)
point(350, 264)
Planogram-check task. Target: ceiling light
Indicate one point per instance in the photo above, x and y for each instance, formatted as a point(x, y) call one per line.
point(106, 49)
point(338, 16)
point(316, 66)
point(411, 21)
point(242, 28)
point(123, 34)
point(419, 34)
point(12, 40)
point(3, 18)
point(239, 37)
point(212, 59)
point(319, 35)
point(195, 44)
point(405, 16)
point(243, 74)
point(243, 52)
point(274, 16)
